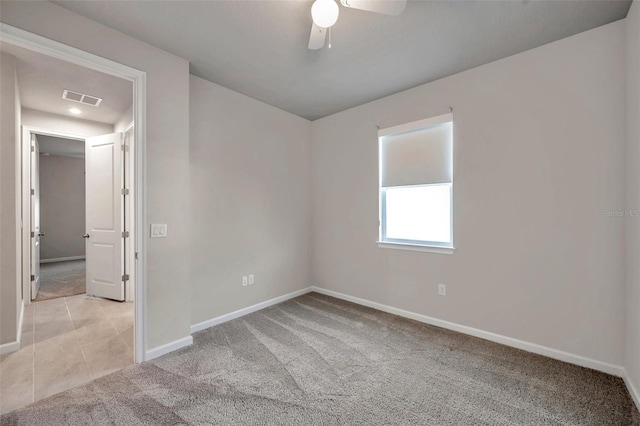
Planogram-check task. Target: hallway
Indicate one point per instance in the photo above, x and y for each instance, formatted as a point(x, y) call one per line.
point(60, 279)
point(66, 342)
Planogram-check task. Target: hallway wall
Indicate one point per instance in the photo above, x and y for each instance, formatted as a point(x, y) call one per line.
point(10, 271)
point(64, 124)
point(62, 207)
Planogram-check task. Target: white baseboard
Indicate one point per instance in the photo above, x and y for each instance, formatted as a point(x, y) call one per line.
point(15, 345)
point(612, 369)
point(633, 390)
point(245, 311)
point(20, 320)
point(168, 347)
point(62, 259)
point(186, 341)
point(6, 348)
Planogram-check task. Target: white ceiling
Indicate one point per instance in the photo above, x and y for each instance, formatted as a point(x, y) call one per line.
point(259, 48)
point(42, 79)
point(50, 145)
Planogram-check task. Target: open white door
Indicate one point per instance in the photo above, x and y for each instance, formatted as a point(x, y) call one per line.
point(35, 217)
point(104, 216)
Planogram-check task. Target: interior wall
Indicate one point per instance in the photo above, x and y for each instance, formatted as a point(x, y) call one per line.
point(124, 120)
point(167, 150)
point(632, 230)
point(250, 201)
point(538, 182)
point(64, 124)
point(10, 272)
point(62, 207)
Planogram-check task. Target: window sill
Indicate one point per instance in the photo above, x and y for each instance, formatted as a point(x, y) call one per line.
point(416, 247)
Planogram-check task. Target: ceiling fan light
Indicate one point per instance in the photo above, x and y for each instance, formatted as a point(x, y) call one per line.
point(325, 13)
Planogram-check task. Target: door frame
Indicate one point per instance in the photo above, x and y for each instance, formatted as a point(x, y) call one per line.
point(35, 242)
point(36, 43)
point(129, 213)
point(129, 260)
point(25, 165)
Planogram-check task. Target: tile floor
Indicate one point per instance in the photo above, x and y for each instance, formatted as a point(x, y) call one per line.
point(66, 342)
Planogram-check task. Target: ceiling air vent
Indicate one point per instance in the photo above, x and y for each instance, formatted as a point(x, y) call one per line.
point(70, 95)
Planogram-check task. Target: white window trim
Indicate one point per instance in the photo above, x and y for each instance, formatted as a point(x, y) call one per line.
point(416, 247)
point(418, 243)
point(415, 125)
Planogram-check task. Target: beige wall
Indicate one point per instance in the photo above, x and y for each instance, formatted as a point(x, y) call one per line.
point(250, 201)
point(167, 165)
point(62, 207)
point(124, 120)
point(10, 272)
point(60, 123)
point(632, 230)
point(538, 160)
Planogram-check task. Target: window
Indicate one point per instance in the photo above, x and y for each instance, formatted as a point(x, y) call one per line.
point(416, 185)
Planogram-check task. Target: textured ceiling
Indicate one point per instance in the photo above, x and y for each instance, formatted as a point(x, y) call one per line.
point(259, 48)
point(42, 79)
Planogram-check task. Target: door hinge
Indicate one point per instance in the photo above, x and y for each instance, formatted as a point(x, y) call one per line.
point(33, 192)
point(125, 191)
point(125, 234)
point(33, 277)
point(124, 148)
point(33, 234)
point(33, 148)
point(125, 277)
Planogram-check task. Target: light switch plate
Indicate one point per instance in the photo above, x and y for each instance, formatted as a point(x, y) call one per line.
point(158, 230)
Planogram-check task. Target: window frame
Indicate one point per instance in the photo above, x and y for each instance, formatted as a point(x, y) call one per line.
point(427, 243)
point(414, 245)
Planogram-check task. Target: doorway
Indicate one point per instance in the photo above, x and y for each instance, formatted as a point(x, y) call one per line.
point(75, 189)
point(59, 164)
point(80, 215)
point(94, 325)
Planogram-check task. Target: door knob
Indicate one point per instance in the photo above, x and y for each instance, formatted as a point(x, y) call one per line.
point(41, 234)
point(85, 236)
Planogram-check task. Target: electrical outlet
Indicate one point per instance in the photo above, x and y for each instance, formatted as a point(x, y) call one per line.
point(252, 280)
point(442, 289)
point(244, 281)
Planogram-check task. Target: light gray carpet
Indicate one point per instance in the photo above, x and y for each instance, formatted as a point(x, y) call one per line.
point(60, 279)
point(316, 360)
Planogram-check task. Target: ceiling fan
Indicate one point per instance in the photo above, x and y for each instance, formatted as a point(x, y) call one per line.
point(325, 14)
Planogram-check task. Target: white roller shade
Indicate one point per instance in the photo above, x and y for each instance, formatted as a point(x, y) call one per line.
point(417, 153)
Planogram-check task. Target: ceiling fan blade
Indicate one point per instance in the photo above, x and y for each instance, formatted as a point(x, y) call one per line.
point(317, 37)
point(386, 7)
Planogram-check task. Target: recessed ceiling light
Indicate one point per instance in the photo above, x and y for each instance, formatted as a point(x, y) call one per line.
point(75, 111)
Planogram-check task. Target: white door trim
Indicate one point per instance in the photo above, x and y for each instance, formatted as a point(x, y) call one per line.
point(25, 148)
point(34, 42)
point(129, 167)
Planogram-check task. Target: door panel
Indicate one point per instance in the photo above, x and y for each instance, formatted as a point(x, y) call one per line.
point(35, 217)
point(104, 216)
